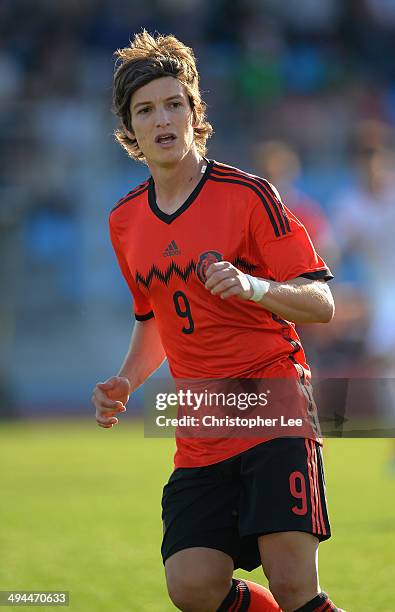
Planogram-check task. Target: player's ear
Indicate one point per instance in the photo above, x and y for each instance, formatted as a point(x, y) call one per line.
point(129, 133)
point(195, 120)
point(194, 116)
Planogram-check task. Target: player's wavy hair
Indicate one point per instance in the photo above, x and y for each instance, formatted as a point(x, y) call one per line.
point(148, 58)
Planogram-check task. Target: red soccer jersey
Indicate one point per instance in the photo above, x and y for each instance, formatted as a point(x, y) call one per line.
point(231, 216)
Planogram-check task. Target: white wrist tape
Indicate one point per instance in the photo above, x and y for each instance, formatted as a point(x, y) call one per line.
point(259, 288)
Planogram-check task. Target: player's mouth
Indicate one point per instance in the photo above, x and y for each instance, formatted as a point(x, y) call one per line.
point(165, 140)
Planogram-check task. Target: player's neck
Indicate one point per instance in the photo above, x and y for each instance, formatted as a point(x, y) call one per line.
point(173, 184)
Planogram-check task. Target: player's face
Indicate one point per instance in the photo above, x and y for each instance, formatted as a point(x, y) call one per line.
point(162, 121)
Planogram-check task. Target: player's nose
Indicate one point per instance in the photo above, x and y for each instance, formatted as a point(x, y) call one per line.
point(162, 118)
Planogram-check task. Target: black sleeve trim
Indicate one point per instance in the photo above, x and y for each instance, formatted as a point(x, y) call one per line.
point(145, 317)
point(325, 275)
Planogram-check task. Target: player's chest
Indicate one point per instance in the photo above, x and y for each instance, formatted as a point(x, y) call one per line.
point(160, 253)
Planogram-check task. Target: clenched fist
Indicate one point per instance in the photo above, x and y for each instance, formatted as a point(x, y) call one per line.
point(224, 280)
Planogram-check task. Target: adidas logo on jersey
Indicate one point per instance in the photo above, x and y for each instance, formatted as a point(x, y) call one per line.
point(171, 250)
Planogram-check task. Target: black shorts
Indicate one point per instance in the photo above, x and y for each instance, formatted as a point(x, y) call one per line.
point(273, 487)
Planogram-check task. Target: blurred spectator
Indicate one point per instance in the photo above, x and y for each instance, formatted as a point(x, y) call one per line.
point(307, 16)
point(364, 221)
point(280, 164)
point(52, 249)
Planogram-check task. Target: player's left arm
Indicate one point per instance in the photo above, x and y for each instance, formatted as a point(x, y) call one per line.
point(299, 300)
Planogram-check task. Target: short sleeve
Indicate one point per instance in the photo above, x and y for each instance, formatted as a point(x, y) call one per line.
point(142, 306)
point(280, 242)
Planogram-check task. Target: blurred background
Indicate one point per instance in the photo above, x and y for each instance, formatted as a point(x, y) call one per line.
point(301, 92)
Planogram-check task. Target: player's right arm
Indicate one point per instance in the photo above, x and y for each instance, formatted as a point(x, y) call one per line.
point(144, 356)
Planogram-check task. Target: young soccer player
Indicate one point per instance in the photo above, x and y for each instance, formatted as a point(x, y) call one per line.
point(219, 271)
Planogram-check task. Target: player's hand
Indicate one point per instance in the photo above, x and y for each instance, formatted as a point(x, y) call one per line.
point(110, 398)
point(224, 280)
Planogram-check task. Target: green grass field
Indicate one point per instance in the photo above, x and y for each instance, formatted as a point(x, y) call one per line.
point(80, 511)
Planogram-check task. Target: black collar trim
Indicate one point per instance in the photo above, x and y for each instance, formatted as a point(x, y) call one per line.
point(190, 199)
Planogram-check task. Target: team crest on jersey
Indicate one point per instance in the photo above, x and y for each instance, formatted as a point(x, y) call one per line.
point(205, 260)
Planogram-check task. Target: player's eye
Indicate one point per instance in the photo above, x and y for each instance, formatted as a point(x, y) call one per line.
point(175, 104)
point(144, 110)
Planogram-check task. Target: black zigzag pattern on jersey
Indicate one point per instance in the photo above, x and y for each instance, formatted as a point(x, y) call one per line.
point(165, 276)
point(263, 189)
point(244, 265)
point(132, 194)
point(184, 273)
